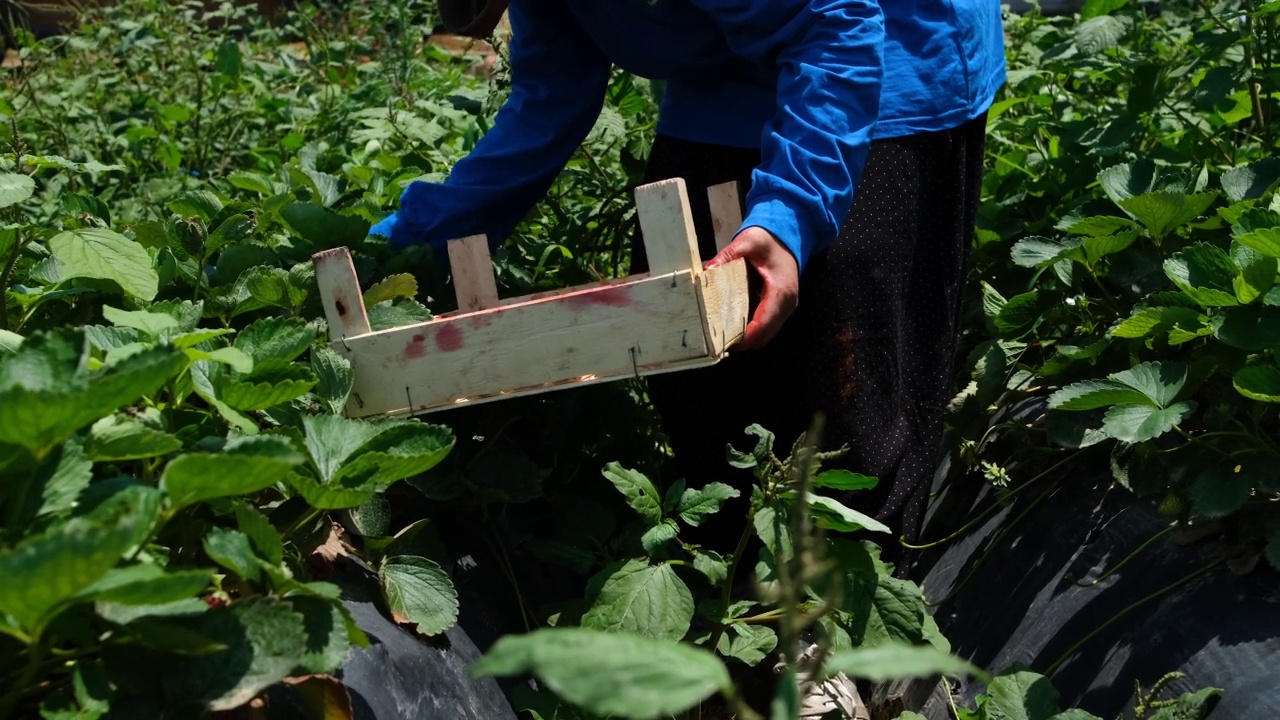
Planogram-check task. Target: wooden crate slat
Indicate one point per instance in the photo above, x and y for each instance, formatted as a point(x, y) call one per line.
point(724, 306)
point(472, 269)
point(666, 222)
point(726, 212)
point(603, 333)
point(340, 293)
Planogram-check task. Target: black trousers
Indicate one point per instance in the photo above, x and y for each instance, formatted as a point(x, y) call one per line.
point(870, 346)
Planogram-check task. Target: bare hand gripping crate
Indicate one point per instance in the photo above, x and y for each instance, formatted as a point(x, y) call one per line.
point(674, 317)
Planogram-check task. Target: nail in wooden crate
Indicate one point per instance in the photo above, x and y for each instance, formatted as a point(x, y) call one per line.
point(677, 316)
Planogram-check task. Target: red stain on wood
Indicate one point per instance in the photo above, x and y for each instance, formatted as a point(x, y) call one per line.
point(616, 297)
point(449, 338)
point(416, 348)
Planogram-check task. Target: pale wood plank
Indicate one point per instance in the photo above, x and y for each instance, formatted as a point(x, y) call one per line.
point(633, 327)
point(472, 268)
point(722, 292)
point(340, 293)
point(666, 222)
point(726, 212)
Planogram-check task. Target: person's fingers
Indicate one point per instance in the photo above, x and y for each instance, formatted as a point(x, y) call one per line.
point(780, 293)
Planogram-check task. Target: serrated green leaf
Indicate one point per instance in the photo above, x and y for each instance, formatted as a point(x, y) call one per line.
point(270, 384)
point(1259, 382)
point(1252, 180)
point(1019, 314)
point(9, 342)
point(1039, 252)
point(1164, 212)
point(15, 188)
point(1159, 321)
point(335, 377)
point(697, 504)
point(1257, 273)
point(146, 584)
point(749, 644)
point(1160, 382)
point(1121, 182)
point(328, 641)
point(261, 533)
point(232, 357)
point(119, 437)
point(280, 339)
point(1100, 33)
point(899, 661)
point(100, 254)
point(1265, 241)
point(198, 337)
point(610, 674)
point(58, 481)
point(709, 563)
point(640, 493)
point(391, 287)
point(1140, 423)
point(1098, 247)
point(201, 204)
point(658, 536)
point(45, 571)
point(1098, 225)
point(324, 229)
point(1220, 490)
point(1021, 695)
point(419, 592)
point(232, 550)
point(235, 229)
point(397, 313)
point(642, 599)
point(1094, 394)
point(265, 640)
point(1205, 273)
point(1250, 328)
point(247, 465)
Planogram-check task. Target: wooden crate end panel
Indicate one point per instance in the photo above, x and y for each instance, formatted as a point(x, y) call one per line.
point(722, 292)
point(535, 344)
point(666, 224)
point(340, 293)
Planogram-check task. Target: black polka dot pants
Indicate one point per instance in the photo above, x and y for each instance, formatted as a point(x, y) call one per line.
point(870, 346)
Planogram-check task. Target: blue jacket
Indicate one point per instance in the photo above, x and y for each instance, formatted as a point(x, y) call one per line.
point(809, 82)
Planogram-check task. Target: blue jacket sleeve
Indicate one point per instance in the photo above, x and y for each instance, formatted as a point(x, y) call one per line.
point(558, 82)
point(829, 57)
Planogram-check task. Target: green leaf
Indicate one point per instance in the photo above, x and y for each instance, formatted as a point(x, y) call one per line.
point(831, 514)
point(9, 342)
point(1039, 252)
point(786, 699)
point(397, 313)
point(1220, 490)
point(1205, 273)
point(232, 550)
point(201, 204)
point(328, 640)
point(1096, 8)
point(1164, 212)
point(1197, 705)
point(100, 254)
point(335, 376)
point(844, 480)
point(1139, 423)
point(610, 674)
point(352, 459)
point(120, 437)
point(146, 584)
point(1100, 33)
point(324, 229)
point(1265, 241)
point(391, 287)
point(152, 324)
point(1250, 328)
point(1021, 695)
point(47, 392)
point(272, 383)
point(1252, 180)
point(15, 188)
point(1257, 273)
point(657, 537)
point(1019, 314)
point(1259, 382)
point(419, 593)
point(1121, 182)
point(277, 338)
point(1159, 321)
point(697, 504)
point(640, 493)
point(897, 661)
point(748, 643)
point(265, 639)
point(1094, 394)
point(261, 533)
point(992, 301)
point(709, 563)
point(60, 163)
point(59, 480)
point(45, 571)
point(1096, 248)
point(247, 465)
point(1098, 226)
point(1160, 382)
point(235, 229)
point(642, 599)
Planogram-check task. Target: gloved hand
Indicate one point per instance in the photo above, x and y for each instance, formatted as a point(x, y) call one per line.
point(387, 228)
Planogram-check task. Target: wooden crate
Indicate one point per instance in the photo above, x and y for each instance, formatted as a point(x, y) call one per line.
point(674, 317)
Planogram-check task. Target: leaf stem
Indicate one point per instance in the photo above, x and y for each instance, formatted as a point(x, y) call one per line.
point(1150, 541)
point(726, 592)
